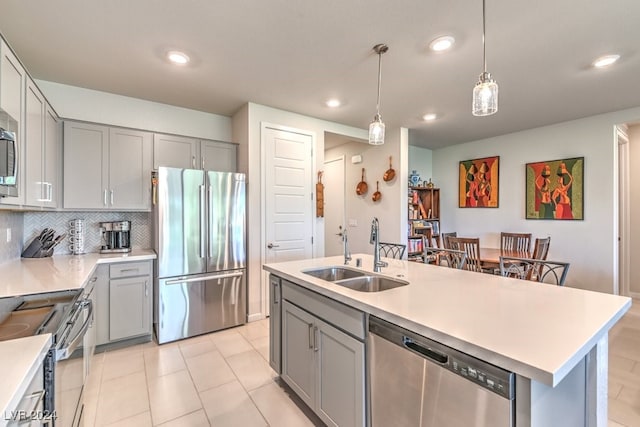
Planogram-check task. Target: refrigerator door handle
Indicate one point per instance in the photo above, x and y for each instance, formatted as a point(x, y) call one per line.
point(209, 247)
point(202, 278)
point(202, 222)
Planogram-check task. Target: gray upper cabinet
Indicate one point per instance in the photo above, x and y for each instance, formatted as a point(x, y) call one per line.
point(42, 144)
point(192, 153)
point(218, 156)
point(13, 79)
point(106, 168)
point(175, 151)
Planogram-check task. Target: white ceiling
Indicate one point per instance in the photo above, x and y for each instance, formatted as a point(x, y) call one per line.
point(295, 54)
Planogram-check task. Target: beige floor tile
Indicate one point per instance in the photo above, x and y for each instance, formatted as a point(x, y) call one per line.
point(623, 414)
point(252, 369)
point(614, 424)
point(253, 330)
point(121, 398)
point(163, 361)
point(172, 396)
point(140, 420)
point(620, 363)
point(230, 342)
point(194, 419)
point(230, 405)
point(120, 363)
point(614, 389)
point(278, 407)
point(261, 345)
point(197, 346)
point(209, 370)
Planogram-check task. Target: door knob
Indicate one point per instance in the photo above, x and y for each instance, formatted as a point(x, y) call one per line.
point(271, 246)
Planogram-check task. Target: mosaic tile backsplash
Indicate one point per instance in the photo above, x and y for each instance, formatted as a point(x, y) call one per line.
point(13, 221)
point(35, 222)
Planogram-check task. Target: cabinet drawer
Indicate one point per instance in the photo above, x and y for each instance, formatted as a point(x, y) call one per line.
point(339, 315)
point(129, 269)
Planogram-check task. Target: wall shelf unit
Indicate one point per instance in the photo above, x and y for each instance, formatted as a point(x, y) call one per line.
point(424, 215)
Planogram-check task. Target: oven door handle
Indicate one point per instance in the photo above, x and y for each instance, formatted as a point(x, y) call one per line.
point(66, 351)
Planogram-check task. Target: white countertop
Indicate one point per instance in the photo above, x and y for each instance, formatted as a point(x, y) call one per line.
point(536, 330)
point(20, 359)
point(23, 276)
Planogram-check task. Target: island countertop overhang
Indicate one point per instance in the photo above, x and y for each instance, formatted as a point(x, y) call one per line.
point(535, 330)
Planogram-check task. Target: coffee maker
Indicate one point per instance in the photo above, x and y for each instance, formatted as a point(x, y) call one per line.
point(116, 237)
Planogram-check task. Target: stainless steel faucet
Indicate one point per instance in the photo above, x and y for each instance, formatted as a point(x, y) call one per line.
point(345, 245)
point(375, 241)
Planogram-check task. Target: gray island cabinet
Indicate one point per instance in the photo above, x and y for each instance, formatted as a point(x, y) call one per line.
point(321, 351)
point(553, 339)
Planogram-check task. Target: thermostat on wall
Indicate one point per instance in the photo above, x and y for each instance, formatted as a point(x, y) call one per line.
point(356, 159)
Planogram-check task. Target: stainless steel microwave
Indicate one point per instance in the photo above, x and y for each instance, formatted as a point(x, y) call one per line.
point(8, 164)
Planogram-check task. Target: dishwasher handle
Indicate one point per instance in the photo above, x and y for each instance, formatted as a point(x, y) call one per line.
point(425, 351)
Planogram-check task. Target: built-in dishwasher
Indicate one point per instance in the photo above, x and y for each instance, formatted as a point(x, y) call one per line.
point(416, 381)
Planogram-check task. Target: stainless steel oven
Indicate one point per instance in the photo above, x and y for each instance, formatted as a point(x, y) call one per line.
point(68, 316)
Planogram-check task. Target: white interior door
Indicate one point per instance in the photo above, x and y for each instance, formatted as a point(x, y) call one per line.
point(288, 196)
point(334, 205)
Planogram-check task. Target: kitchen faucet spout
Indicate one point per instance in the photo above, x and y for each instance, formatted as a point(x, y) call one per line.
point(345, 246)
point(375, 241)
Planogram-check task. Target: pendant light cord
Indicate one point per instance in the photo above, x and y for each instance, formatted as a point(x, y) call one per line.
point(379, 80)
point(484, 45)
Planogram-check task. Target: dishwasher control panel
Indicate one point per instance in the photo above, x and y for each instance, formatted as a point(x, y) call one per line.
point(498, 384)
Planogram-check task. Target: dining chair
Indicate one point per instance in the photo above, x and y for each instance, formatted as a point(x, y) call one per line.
point(471, 247)
point(541, 248)
point(445, 238)
point(520, 242)
point(537, 270)
point(392, 250)
point(445, 257)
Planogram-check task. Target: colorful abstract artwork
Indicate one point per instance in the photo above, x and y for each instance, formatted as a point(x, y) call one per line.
point(478, 185)
point(555, 189)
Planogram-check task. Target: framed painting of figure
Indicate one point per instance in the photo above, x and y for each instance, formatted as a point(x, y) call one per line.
point(478, 183)
point(555, 189)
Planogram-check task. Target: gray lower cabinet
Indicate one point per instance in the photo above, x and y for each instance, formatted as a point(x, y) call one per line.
point(322, 363)
point(124, 298)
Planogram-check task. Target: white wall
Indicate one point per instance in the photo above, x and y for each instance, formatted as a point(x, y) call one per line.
point(421, 160)
point(246, 131)
point(362, 209)
point(589, 245)
point(77, 103)
point(634, 206)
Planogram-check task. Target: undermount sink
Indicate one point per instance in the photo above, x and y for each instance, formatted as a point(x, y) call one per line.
point(332, 274)
point(371, 283)
point(355, 279)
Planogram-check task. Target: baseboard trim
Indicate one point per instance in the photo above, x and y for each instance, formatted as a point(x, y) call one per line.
point(255, 317)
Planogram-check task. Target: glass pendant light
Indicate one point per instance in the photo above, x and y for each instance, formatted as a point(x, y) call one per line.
point(485, 94)
point(376, 128)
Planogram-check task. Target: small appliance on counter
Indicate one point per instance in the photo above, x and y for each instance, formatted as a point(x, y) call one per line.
point(116, 237)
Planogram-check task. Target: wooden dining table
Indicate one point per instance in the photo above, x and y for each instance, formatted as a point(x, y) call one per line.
point(490, 257)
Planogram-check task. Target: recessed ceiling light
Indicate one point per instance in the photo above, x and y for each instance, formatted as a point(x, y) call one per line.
point(605, 61)
point(178, 58)
point(442, 43)
point(333, 103)
point(429, 117)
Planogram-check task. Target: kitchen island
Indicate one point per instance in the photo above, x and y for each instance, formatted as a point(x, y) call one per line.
point(544, 334)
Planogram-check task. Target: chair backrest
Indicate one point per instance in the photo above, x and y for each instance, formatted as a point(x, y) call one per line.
point(471, 247)
point(541, 248)
point(445, 238)
point(445, 257)
point(392, 250)
point(520, 242)
point(537, 270)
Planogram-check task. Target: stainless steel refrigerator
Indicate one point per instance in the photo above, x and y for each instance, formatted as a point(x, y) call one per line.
point(199, 237)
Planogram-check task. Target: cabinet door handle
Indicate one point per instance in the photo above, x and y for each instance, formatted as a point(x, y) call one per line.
point(111, 193)
point(276, 294)
point(193, 162)
point(315, 338)
point(202, 163)
point(50, 192)
point(146, 288)
point(104, 197)
point(311, 339)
